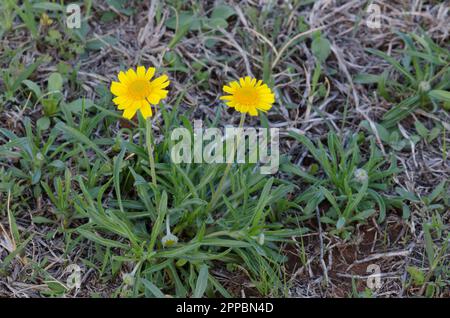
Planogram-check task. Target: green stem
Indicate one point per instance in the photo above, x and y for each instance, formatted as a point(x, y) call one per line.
point(219, 189)
point(148, 140)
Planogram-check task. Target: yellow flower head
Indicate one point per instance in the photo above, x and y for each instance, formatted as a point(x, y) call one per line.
point(45, 20)
point(248, 96)
point(136, 91)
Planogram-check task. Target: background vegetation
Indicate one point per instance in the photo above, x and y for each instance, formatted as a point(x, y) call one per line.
point(365, 163)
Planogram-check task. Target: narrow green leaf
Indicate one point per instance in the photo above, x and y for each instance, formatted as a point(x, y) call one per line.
point(202, 282)
point(77, 135)
point(116, 176)
point(152, 288)
point(440, 95)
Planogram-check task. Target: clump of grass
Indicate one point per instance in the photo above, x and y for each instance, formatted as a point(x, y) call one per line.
point(433, 280)
point(348, 190)
point(424, 78)
point(242, 228)
point(109, 197)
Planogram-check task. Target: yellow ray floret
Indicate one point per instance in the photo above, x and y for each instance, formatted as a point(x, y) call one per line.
point(137, 91)
point(248, 96)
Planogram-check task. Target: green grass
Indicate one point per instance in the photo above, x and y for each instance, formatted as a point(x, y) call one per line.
point(75, 174)
point(351, 186)
point(229, 233)
point(108, 198)
point(424, 78)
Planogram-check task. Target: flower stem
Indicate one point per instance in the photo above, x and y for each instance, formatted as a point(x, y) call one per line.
point(219, 189)
point(149, 142)
point(168, 225)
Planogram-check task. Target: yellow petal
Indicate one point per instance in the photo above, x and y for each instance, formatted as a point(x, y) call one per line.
point(131, 74)
point(165, 84)
point(146, 111)
point(162, 93)
point(118, 88)
point(124, 105)
point(136, 104)
point(229, 89)
point(150, 73)
point(264, 87)
point(119, 100)
point(141, 72)
point(269, 98)
point(234, 85)
point(153, 99)
point(123, 77)
point(253, 112)
point(160, 81)
point(240, 108)
point(264, 106)
point(129, 113)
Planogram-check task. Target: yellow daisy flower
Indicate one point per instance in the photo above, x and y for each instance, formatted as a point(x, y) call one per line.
point(136, 91)
point(248, 96)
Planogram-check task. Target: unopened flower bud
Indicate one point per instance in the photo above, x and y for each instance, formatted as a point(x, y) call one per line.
point(361, 175)
point(169, 240)
point(424, 86)
point(128, 279)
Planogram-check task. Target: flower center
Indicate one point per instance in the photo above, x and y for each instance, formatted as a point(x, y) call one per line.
point(139, 89)
point(247, 96)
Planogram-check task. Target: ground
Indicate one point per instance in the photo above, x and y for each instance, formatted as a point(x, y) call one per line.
point(76, 186)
